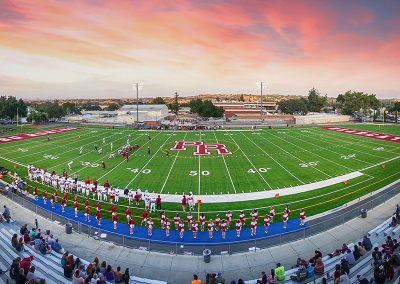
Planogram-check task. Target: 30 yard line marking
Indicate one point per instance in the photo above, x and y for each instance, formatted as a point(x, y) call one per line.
point(251, 163)
point(168, 137)
point(289, 172)
point(223, 158)
point(123, 161)
point(170, 170)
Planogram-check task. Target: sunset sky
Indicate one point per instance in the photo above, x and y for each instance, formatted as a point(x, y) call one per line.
point(98, 48)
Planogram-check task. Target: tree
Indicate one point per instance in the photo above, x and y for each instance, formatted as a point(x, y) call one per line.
point(91, 107)
point(9, 106)
point(205, 108)
point(112, 107)
point(352, 102)
point(37, 117)
point(53, 110)
point(315, 101)
point(158, 101)
point(71, 108)
point(294, 106)
point(241, 98)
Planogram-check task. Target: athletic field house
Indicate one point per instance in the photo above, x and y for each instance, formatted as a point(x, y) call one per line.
point(274, 179)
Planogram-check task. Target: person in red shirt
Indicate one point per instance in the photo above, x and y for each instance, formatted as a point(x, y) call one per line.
point(26, 263)
point(87, 213)
point(145, 215)
point(45, 197)
point(98, 217)
point(115, 220)
point(184, 202)
point(137, 199)
point(95, 183)
point(113, 210)
point(223, 229)
point(158, 202)
point(103, 164)
point(87, 181)
point(87, 203)
point(65, 196)
point(98, 207)
point(63, 202)
point(128, 214)
point(131, 224)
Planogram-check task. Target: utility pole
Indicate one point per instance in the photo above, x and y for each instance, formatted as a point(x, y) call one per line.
point(176, 103)
point(262, 85)
point(137, 86)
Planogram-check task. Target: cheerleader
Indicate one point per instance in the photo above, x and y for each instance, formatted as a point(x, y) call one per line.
point(87, 204)
point(45, 197)
point(189, 219)
point(223, 229)
point(150, 224)
point(98, 217)
point(285, 218)
point(35, 193)
point(128, 214)
point(195, 228)
point(113, 210)
point(228, 218)
point(181, 228)
point(177, 220)
point(202, 220)
point(76, 209)
point(63, 202)
point(253, 226)
point(242, 218)
point(272, 214)
point(167, 225)
point(217, 222)
point(162, 219)
point(115, 220)
point(238, 228)
point(94, 191)
point(302, 217)
point(131, 224)
point(210, 228)
point(287, 210)
point(190, 201)
point(98, 207)
point(254, 214)
point(266, 223)
point(53, 200)
point(87, 213)
point(75, 200)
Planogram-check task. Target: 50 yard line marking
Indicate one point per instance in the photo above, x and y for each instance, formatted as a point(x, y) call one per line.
point(170, 170)
point(223, 158)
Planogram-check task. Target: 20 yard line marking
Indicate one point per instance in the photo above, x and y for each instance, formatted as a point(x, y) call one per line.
point(223, 158)
point(289, 172)
point(148, 161)
point(170, 170)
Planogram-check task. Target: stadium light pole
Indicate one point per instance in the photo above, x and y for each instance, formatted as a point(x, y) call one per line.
point(262, 85)
point(136, 86)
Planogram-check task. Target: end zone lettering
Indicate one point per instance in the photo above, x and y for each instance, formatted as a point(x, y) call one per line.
point(29, 135)
point(369, 134)
point(201, 148)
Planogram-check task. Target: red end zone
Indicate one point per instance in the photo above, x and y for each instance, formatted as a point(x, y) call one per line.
point(369, 134)
point(30, 135)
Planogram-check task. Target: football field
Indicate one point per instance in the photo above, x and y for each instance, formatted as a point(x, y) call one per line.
point(222, 163)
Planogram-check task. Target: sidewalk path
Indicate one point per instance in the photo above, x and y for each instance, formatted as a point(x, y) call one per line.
point(178, 269)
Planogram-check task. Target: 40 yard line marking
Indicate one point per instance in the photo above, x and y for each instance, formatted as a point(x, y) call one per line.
point(170, 170)
point(289, 172)
point(168, 137)
point(251, 163)
point(223, 158)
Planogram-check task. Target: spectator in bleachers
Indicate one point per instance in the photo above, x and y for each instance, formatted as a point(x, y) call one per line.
point(31, 274)
point(14, 269)
point(103, 267)
point(219, 279)
point(195, 280)
point(301, 262)
point(7, 214)
point(317, 254)
point(119, 276)
point(393, 223)
point(27, 239)
point(14, 240)
point(127, 276)
point(64, 259)
point(32, 233)
point(300, 275)
point(109, 274)
point(349, 257)
point(366, 242)
point(21, 279)
point(263, 279)
point(356, 253)
point(77, 279)
point(26, 264)
point(20, 245)
point(388, 269)
point(362, 279)
point(336, 274)
point(377, 257)
point(344, 265)
point(82, 271)
point(310, 270)
point(90, 270)
point(272, 277)
point(240, 281)
point(344, 278)
point(361, 249)
point(94, 279)
point(319, 268)
point(379, 275)
point(280, 272)
point(24, 229)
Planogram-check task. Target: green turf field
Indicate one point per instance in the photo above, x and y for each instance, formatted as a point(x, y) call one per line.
point(261, 160)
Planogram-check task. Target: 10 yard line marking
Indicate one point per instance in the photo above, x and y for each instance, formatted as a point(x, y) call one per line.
point(223, 158)
point(148, 161)
point(170, 170)
point(274, 159)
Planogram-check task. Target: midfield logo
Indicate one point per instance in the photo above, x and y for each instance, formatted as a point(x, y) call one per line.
point(201, 148)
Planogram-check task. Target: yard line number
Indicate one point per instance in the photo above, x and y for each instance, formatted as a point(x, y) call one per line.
point(195, 173)
point(310, 164)
point(50, 157)
point(137, 170)
point(261, 170)
point(347, 157)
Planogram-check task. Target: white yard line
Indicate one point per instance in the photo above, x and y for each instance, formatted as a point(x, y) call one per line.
point(162, 145)
point(251, 163)
point(170, 170)
point(123, 161)
point(226, 167)
point(14, 162)
point(314, 167)
point(199, 172)
point(289, 172)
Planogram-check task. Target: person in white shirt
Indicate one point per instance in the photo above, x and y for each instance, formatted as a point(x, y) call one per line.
point(153, 203)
